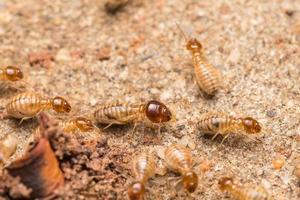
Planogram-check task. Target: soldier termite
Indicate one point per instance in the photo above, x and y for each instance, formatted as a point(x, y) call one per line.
point(10, 74)
point(243, 193)
point(208, 77)
point(143, 168)
point(8, 146)
point(27, 105)
point(179, 158)
point(125, 113)
point(223, 124)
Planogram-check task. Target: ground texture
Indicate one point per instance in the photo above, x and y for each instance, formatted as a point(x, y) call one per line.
point(76, 50)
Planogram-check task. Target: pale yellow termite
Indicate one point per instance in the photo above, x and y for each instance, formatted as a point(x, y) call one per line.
point(208, 77)
point(8, 146)
point(78, 124)
point(244, 193)
point(223, 124)
point(27, 105)
point(125, 113)
point(179, 158)
point(143, 168)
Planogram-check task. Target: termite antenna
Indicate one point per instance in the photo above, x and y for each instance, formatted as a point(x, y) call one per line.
point(182, 32)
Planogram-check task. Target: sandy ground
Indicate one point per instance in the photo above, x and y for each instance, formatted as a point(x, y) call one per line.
point(76, 50)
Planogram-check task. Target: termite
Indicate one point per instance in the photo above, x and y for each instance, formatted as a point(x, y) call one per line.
point(179, 159)
point(10, 74)
point(80, 124)
point(243, 193)
point(8, 146)
point(143, 168)
point(223, 124)
point(125, 113)
point(207, 76)
point(27, 105)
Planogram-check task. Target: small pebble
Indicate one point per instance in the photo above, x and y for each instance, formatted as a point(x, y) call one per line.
point(271, 113)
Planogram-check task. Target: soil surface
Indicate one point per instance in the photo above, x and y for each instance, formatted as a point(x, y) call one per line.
point(77, 50)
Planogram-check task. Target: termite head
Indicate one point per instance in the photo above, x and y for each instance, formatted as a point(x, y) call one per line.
point(251, 126)
point(84, 124)
point(158, 112)
point(194, 45)
point(190, 181)
point(60, 105)
point(225, 183)
point(136, 191)
point(13, 73)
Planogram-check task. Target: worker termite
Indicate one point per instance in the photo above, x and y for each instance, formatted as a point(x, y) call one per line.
point(179, 159)
point(8, 146)
point(223, 124)
point(208, 77)
point(10, 74)
point(27, 105)
point(125, 113)
point(143, 168)
point(243, 193)
point(78, 124)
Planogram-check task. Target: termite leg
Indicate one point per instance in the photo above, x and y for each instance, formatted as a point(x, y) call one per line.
point(23, 119)
point(214, 137)
point(109, 125)
point(224, 138)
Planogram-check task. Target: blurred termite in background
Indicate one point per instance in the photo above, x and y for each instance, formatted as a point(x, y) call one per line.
point(220, 123)
point(152, 111)
point(8, 75)
point(38, 168)
point(243, 193)
point(179, 159)
point(27, 105)
point(8, 146)
point(143, 168)
point(207, 76)
point(113, 6)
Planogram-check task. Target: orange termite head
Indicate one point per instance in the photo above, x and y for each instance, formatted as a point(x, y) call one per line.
point(225, 183)
point(13, 73)
point(190, 181)
point(194, 45)
point(158, 112)
point(251, 126)
point(60, 105)
point(84, 124)
point(136, 191)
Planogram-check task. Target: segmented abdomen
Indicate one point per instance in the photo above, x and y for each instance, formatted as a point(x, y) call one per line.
point(24, 105)
point(69, 126)
point(143, 166)
point(178, 158)
point(117, 113)
point(216, 123)
point(208, 77)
